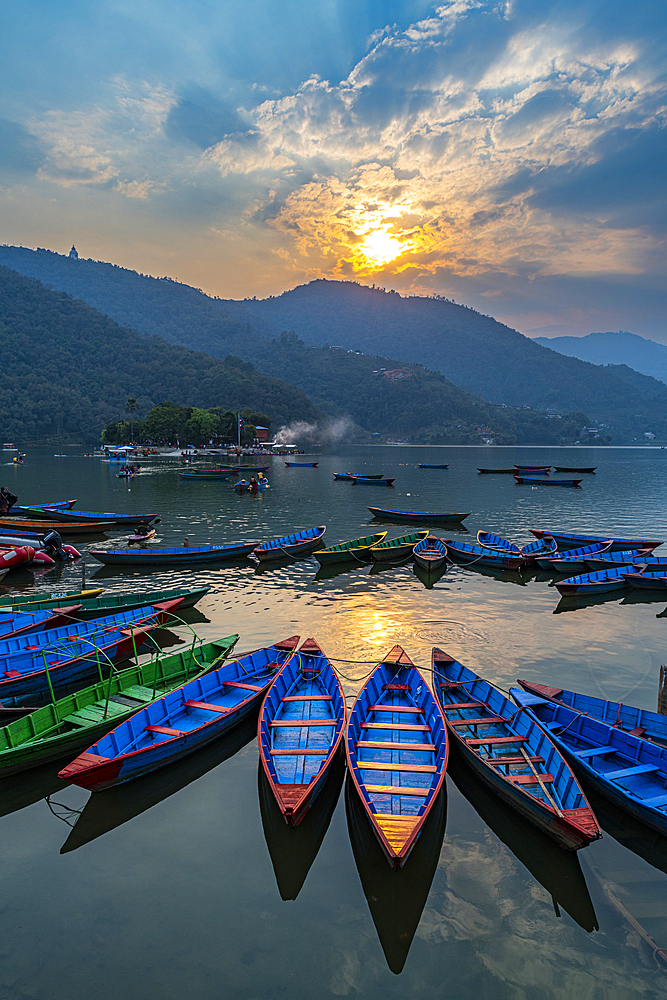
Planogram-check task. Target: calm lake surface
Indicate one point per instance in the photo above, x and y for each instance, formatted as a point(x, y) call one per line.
point(188, 884)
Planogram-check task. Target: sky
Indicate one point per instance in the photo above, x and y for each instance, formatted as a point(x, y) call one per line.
point(509, 155)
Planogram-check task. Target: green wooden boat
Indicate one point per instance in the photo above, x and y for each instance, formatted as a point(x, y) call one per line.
point(42, 600)
point(79, 719)
point(397, 548)
point(345, 551)
point(90, 607)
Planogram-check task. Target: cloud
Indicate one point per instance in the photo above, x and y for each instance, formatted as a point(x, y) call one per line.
point(19, 150)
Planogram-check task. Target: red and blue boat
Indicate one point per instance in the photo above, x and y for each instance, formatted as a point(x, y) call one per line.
point(602, 582)
point(416, 516)
point(536, 481)
point(353, 475)
point(184, 556)
point(368, 481)
point(464, 552)
point(512, 754)
point(181, 722)
point(430, 553)
point(302, 465)
point(567, 540)
point(572, 560)
point(300, 729)
point(397, 752)
point(301, 543)
point(603, 560)
point(628, 770)
point(647, 578)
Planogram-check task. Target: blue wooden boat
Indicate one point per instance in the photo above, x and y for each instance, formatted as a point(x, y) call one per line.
point(602, 560)
point(636, 721)
point(464, 552)
point(430, 553)
point(423, 465)
point(299, 544)
point(212, 476)
point(302, 465)
point(647, 579)
point(512, 754)
point(572, 560)
point(535, 481)
point(56, 505)
point(532, 468)
point(367, 481)
point(411, 516)
point(181, 722)
point(543, 547)
point(497, 472)
point(185, 556)
point(627, 769)
point(602, 582)
point(15, 623)
point(496, 542)
point(397, 752)
point(353, 475)
point(570, 541)
point(30, 674)
point(300, 729)
point(66, 517)
point(567, 468)
point(242, 468)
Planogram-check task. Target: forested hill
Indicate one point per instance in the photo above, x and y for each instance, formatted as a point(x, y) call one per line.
point(617, 348)
point(471, 350)
point(67, 369)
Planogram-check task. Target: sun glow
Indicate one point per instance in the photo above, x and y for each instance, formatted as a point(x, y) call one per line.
point(380, 247)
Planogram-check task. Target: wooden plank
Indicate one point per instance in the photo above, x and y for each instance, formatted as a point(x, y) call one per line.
point(463, 704)
point(627, 772)
point(594, 752)
point(372, 765)
point(529, 779)
point(207, 707)
point(396, 708)
point(239, 684)
point(396, 725)
point(305, 722)
point(307, 697)
point(495, 740)
point(492, 720)
point(298, 753)
point(512, 760)
point(164, 730)
point(397, 790)
point(376, 745)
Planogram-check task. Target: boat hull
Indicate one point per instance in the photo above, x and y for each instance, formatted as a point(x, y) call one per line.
point(389, 552)
point(172, 557)
point(350, 551)
point(290, 545)
point(415, 516)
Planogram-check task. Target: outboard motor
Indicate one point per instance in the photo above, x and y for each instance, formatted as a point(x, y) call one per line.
point(53, 544)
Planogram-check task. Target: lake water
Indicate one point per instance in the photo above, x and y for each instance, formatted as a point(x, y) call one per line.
point(188, 884)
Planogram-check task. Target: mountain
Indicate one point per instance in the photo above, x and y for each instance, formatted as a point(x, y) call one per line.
point(644, 356)
point(68, 370)
point(473, 352)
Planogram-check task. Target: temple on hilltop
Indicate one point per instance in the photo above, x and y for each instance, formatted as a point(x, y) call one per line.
point(73, 254)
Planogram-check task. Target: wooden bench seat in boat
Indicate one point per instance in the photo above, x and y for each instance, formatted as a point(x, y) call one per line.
point(207, 706)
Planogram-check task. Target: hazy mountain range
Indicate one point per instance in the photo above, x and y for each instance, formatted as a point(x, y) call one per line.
point(645, 356)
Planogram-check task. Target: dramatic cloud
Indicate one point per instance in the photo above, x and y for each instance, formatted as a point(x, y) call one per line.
point(512, 154)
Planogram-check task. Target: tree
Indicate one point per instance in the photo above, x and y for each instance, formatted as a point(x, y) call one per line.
point(132, 407)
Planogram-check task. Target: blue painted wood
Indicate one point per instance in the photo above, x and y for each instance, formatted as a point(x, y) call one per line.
point(566, 540)
point(398, 781)
point(464, 552)
point(411, 516)
point(627, 769)
point(354, 475)
point(535, 481)
point(301, 465)
point(298, 544)
point(305, 710)
point(541, 548)
point(572, 560)
point(186, 555)
point(595, 562)
point(496, 542)
point(430, 553)
point(602, 582)
point(423, 465)
point(182, 721)
point(614, 713)
point(506, 750)
point(645, 579)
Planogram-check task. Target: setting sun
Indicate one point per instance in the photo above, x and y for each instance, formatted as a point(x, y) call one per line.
point(380, 247)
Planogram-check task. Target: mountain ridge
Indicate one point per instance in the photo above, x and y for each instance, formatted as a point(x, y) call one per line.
point(648, 357)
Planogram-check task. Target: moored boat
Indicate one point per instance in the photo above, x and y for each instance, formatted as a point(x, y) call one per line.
point(396, 548)
point(645, 579)
point(366, 481)
point(354, 475)
point(463, 552)
point(496, 542)
point(89, 604)
point(67, 516)
point(62, 527)
point(358, 548)
point(423, 465)
point(567, 540)
point(602, 560)
point(627, 769)
point(55, 505)
point(533, 468)
point(397, 752)
point(302, 465)
point(572, 560)
point(64, 726)
point(181, 722)
point(541, 548)
point(636, 721)
point(412, 516)
point(534, 481)
point(212, 476)
point(497, 472)
point(602, 582)
point(301, 543)
point(430, 553)
point(300, 729)
point(512, 754)
point(42, 599)
point(184, 556)
point(567, 468)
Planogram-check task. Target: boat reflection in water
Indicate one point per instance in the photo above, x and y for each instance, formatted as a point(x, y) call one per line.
point(108, 809)
point(643, 841)
point(293, 849)
point(396, 898)
point(558, 871)
point(577, 603)
point(24, 789)
point(329, 572)
point(428, 577)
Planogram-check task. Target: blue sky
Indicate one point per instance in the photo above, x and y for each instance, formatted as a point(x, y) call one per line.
point(510, 155)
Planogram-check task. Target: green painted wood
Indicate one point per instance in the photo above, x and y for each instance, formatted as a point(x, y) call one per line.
point(90, 607)
point(397, 548)
point(79, 719)
point(357, 548)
